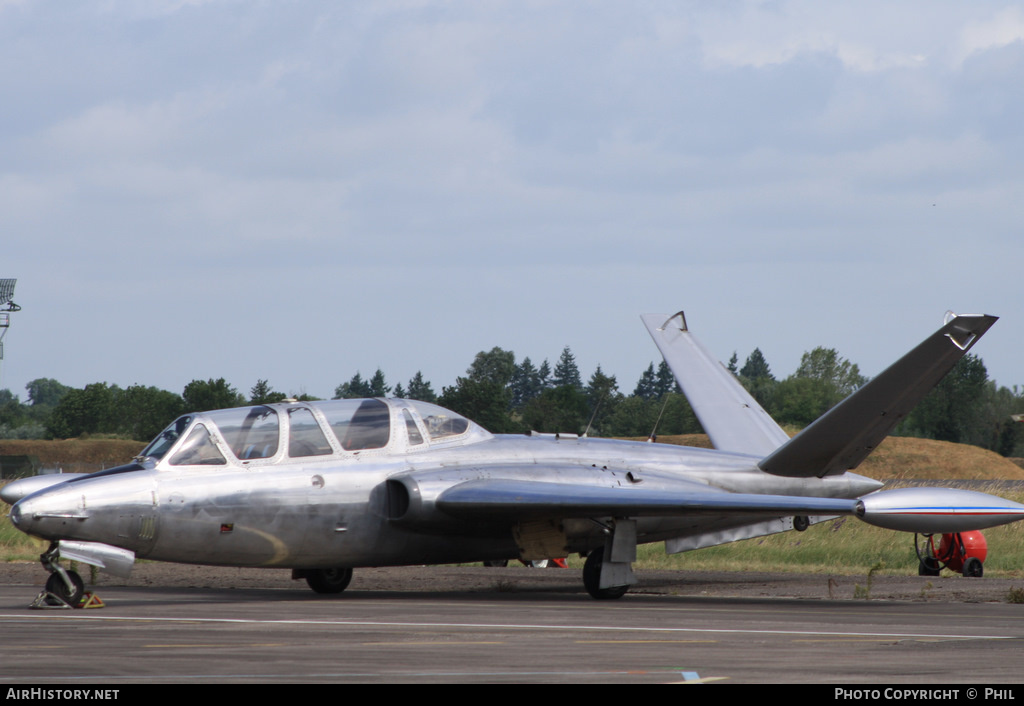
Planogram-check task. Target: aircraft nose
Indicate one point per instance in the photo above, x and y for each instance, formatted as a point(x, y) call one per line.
point(93, 510)
point(21, 517)
point(16, 516)
point(48, 514)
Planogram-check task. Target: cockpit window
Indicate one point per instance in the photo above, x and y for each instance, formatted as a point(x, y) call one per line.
point(441, 423)
point(251, 432)
point(360, 424)
point(198, 450)
point(165, 440)
point(305, 437)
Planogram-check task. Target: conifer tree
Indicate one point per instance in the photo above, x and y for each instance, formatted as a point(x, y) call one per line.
point(420, 389)
point(567, 373)
point(646, 388)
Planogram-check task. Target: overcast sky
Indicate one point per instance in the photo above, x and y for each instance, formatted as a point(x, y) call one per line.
point(298, 191)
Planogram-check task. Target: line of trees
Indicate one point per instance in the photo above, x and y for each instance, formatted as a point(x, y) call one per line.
point(506, 396)
point(966, 407)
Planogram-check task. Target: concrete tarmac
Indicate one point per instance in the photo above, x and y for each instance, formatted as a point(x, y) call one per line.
point(536, 627)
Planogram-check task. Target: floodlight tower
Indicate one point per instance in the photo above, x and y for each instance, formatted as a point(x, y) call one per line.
point(6, 300)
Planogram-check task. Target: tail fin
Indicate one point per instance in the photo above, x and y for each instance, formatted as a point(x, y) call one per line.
point(731, 417)
point(843, 437)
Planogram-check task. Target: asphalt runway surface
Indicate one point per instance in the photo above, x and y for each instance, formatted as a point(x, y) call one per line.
point(198, 625)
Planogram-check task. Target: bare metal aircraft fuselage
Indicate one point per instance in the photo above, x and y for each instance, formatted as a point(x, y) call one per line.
point(380, 509)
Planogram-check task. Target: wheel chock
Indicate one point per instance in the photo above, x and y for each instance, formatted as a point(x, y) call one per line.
point(49, 601)
point(91, 600)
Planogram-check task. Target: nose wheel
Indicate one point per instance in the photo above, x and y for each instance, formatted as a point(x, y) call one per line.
point(64, 588)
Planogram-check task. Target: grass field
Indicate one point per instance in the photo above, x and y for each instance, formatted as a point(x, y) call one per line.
point(15, 546)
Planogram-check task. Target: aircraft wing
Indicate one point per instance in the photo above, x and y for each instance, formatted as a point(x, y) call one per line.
point(485, 499)
point(843, 437)
point(731, 417)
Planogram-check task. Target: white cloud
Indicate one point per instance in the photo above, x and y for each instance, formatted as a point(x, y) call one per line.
point(1001, 29)
point(864, 37)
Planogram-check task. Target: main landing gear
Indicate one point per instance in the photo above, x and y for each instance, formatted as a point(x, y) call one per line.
point(325, 581)
point(592, 579)
point(608, 571)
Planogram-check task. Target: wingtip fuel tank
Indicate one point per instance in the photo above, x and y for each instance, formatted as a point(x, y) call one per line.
point(938, 510)
point(18, 489)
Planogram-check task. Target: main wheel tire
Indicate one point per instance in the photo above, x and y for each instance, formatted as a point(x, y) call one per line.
point(329, 580)
point(538, 563)
point(55, 585)
point(592, 579)
point(497, 563)
point(973, 568)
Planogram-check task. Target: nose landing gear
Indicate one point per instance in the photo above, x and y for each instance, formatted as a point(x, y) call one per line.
point(64, 588)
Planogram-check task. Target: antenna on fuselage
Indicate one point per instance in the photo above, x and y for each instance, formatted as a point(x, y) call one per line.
point(654, 432)
point(593, 415)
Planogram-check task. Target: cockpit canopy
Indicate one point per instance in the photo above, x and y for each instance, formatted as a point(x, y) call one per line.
point(292, 430)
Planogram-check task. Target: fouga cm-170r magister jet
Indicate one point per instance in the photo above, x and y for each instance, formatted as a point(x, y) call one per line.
point(325, 487)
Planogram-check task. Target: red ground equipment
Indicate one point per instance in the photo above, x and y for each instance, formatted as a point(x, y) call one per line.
point(963, 552)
